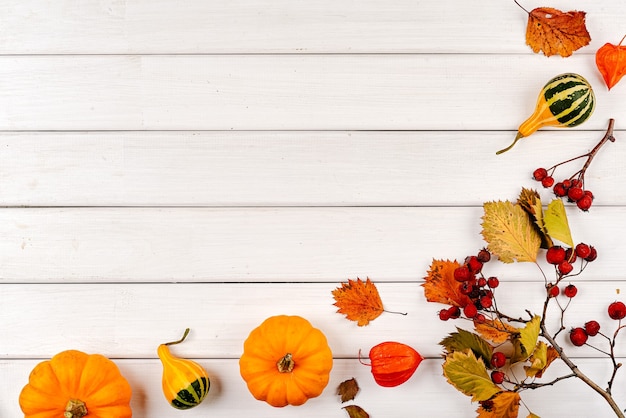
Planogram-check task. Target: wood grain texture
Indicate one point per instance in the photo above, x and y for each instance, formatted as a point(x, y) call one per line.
point(296, 26)
point(297, 168)
point(261, 244)
point(284, 92)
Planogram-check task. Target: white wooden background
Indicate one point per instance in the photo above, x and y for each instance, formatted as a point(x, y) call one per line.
point(207, 164)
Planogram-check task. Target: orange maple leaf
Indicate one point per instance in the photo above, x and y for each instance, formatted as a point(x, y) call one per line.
point(555, 32)
point(440, 285)
point(611, 62)
point(359, 301)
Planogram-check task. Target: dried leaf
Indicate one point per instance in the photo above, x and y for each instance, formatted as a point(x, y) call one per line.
point(525, 340)
point(348, 390)
point(540, 360)
point(503, 405)
point(555, 32)
point(611, 62)
point(356, 411)
point(359, 301)
point(531, 415)
point(509, 232)
point(468, 374)
point(556, 222)
point(495, 330)
point(463, 340)
point(440, 285)
point(530, 201)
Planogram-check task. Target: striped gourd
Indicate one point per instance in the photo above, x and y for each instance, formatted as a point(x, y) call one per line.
point(565, 101)
point(185, 382)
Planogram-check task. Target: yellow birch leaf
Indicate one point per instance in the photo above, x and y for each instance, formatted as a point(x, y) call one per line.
point(525, 340)
point(468, 374)
point(556, 223)
point(503, 405)
point(509, 232)
point(538, 360)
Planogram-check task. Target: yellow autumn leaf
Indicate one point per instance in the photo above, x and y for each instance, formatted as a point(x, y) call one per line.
point(468, 374)
point(503, 405)
point(530, 201)
point(555, 220)
point(509, 232)
point(531, 415)
point(525, 340)
point(538, 360)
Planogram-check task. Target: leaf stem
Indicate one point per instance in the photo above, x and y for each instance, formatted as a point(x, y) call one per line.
point(521, 7)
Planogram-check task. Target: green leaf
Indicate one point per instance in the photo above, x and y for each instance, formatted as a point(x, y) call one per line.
point(510, 232)
point(525, 340)
point(555, 220)
point(468, 374)
point(463, 340)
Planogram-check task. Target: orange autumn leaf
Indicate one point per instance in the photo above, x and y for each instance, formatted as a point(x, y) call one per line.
point(503, 405)
point(555, 32)
point(495, 330)
point(359, 301)
point(611, 62)
point(440, 285)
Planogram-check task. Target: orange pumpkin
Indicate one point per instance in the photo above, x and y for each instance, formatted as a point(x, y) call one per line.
point(286, 361)
point(73, 385)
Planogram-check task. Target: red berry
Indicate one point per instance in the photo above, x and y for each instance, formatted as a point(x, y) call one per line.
point(592, 328)
point(444, 314)
point(547, 181)
point(575, 193)
point(578, 336)
point(588, 193)
point(555, 254)
point(470, 310)
point(474, 264)
point(593, 255)
point(565, 267)
point(466, 288)
point(540, 173)
point(553, 291)
point(462, 274)
point(567, 183)
point(484, 256)
point(617, 310)
point(559, 190)
point(498, 359)
point(482, 282)
point(480, 318)
point(584, 203)
point(497, 377)
point(583, 250)
point(576, 183)
point(493, 282)
point(570, 255)
point(454, 312)
point(570, 291)
point(486, 302)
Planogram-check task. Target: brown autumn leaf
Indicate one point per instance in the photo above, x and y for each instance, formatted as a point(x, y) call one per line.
point(495, 330)
point(555, 32)
point(359, 301)
point(440, 285)
point(503, 405)
point(355, 411)
point(611, 62)
point(348, 390)
point(530, 201)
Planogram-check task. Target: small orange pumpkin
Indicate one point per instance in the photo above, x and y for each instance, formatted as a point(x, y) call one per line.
point(286, 361)
point(73, 385)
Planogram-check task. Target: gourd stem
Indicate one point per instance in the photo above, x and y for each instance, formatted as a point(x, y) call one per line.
point(181, 340)
point(517, 138)
point(286, 364)
point(75, 408)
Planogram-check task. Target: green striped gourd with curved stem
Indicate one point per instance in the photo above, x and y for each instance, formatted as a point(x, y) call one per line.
point(567, 100)
point(185, 383)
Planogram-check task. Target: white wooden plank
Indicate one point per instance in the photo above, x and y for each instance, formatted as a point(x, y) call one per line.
point(292, 168)
point(244, 26)
point(130, 320)
point(285, 92)
point(249, 244)
point(425, 394)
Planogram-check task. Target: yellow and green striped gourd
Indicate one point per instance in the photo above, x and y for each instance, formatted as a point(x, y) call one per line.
point(185, 382)
point(567, 100)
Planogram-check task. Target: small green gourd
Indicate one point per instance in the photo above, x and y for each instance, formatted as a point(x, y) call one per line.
point(567, 100)
point(185, 382)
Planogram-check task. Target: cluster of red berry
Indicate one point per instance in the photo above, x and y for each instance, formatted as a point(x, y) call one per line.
point(475, 286)
point(572, 188)
point(563, 259)
point(579, 335)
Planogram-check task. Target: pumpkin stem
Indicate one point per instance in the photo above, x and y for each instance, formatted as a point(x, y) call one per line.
point(181, 340)
point(286, 364)
point(75, 408)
